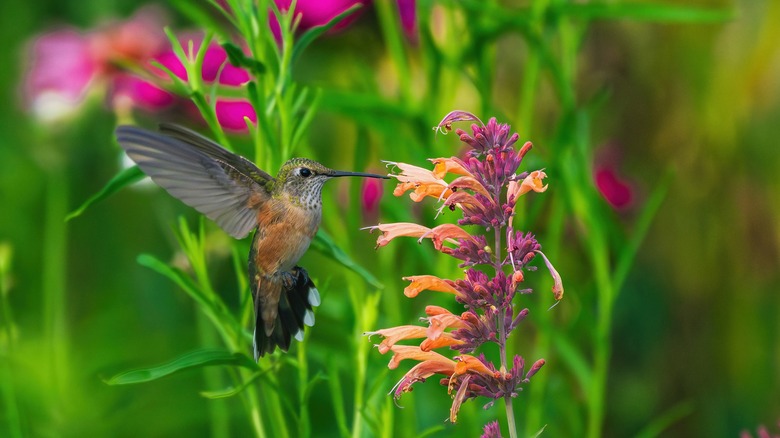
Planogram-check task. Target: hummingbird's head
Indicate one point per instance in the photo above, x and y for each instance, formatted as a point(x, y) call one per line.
point(302, 179)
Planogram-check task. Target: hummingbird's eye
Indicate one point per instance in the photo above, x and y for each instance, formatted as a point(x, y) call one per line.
point(304, 172)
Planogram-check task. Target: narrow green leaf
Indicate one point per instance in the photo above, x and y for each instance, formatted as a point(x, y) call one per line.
point(179, 86)
point(657, 12)
point(310, 35)
point(230, 392)
point(124, 178)
point(629, 251)
point(306, 120)
point(539, 433)
point(669, 417)
point(431, 431)
point(574, 359)
point(324, 243)
point(177, 276)
point(337, 398)
point(201, 14)
point(193, 359)
point(320, 376)
point(238, 58)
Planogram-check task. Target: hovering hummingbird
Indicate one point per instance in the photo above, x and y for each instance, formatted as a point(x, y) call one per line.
point(230, 190)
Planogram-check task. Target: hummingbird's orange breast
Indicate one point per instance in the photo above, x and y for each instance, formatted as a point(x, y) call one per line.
point(284, 234)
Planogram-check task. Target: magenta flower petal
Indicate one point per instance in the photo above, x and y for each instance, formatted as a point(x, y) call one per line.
point(370, 194)
point(230, 75)
point(617, 192)
point(407, 10)
point(231, 113)
point(319, 12)
point(169, 60)
point(142, 93)
point(61, 68)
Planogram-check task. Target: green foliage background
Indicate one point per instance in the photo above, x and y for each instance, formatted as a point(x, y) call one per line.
point(681, 340)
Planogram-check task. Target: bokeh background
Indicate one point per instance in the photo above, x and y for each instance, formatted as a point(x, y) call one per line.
point(657, 128)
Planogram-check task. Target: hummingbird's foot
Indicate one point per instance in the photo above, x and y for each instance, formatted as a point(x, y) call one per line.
point(289, 279)
point(297, 275)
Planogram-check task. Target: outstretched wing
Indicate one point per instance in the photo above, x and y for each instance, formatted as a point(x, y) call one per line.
point(225, 187)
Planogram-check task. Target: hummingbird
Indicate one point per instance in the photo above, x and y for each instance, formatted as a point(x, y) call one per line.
point(284, 213)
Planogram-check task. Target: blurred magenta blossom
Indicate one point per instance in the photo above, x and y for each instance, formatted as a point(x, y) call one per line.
point(616, 190)
point(370, 195)
point(67, 64)
point(319, 12)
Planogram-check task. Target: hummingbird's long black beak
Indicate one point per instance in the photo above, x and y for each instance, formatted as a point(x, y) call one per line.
point(359, 174)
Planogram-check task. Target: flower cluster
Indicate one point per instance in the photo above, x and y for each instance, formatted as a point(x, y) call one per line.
point(485, 187)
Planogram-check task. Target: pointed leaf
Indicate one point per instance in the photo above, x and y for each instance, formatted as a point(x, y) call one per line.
point(323, 243)
point(194, 359)
point(177, 276)
point(660, 424)
point(337, 398)
point(238, 58)
point(234, 390)
point(124, 178)
point(628, 253)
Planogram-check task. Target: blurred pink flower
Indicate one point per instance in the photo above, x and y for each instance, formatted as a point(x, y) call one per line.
point(60, 72)
point(616, 190)
point(65, 64)
point(370, 194)
point(319, 12)
point(231, 113)
point(407, 10)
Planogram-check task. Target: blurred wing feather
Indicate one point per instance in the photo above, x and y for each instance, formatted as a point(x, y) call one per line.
point(201, 174)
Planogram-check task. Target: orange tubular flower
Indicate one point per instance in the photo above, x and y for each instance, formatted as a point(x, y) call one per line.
point(427, 282)
point(448, 232)
point(398, 229)
point(467, 363)
point(557, 288)
point(394, 334)
point(532, 182)
point(469, 182)
point(443, 166)
point(458, 400)
point(438, 323)
point(422, 371)
point(445, 340)
point(423, 181)
point(401, 352)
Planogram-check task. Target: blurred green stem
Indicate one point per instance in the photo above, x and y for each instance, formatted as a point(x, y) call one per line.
point(365, 308)
point(53, 281)
point(220, 421)
point(388, 20)
point(13, 419)
point(304, 422)
point(599, 258)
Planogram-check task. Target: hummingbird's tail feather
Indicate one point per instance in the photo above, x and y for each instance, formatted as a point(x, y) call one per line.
point(292, 312)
